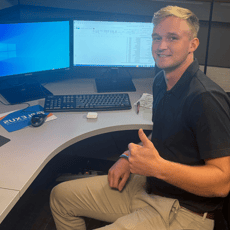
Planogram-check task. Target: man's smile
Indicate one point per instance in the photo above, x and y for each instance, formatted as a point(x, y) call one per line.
point(163, 55)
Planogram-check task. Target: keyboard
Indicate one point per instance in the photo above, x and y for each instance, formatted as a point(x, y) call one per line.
point(87, 102)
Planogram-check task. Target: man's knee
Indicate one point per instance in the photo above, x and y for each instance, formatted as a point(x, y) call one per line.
point(59, 193)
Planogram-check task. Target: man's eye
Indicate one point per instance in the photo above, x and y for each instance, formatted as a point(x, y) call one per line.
point(173, 38)
point(156, 39)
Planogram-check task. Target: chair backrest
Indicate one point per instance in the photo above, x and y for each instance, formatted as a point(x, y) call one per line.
point(222, 217)
point(226, 210)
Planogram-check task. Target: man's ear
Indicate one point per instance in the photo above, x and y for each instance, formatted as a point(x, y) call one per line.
point(194, 45)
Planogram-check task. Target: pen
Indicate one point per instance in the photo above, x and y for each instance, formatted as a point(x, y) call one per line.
point(138, 107)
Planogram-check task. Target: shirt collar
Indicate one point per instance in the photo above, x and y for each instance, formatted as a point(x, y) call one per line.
point(185, 79)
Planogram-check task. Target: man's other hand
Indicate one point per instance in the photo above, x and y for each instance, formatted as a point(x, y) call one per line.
point(119, 174)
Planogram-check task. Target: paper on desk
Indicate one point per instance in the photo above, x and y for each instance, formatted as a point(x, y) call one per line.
point(146, 100)
point(20, 119)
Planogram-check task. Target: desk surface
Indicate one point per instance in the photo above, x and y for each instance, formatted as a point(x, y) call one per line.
point(30, 149)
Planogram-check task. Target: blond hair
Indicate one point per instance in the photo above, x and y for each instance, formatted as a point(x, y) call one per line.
point(181, 13)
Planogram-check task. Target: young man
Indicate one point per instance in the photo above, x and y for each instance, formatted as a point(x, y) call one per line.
point(187, 161)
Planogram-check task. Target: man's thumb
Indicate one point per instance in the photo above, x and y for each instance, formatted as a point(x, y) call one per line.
point(144, 139)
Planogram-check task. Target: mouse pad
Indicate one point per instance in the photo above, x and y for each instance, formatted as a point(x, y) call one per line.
point(20, 119)
point(3, 140)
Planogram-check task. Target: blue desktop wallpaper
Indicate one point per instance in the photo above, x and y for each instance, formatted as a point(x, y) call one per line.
point(32, 47)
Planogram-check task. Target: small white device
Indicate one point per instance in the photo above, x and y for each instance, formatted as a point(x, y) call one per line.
point(91, 115)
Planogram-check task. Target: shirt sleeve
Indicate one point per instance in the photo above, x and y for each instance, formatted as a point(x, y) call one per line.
point(209, 117)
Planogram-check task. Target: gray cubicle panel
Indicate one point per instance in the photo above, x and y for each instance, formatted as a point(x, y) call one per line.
point(219, 51)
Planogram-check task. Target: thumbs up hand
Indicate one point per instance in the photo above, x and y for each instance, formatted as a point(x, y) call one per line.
point(144, 160)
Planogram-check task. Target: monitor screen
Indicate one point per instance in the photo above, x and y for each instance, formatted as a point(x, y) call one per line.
point(112, 44)
point(33, 47)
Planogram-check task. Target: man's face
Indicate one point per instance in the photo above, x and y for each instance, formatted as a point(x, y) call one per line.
point(171, 43)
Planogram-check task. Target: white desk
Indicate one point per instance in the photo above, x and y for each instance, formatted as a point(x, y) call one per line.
point(30, 149)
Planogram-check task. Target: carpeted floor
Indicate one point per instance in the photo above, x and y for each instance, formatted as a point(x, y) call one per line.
point(32, 212)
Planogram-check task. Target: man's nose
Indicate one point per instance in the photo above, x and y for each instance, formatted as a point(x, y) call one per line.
point(163, 45)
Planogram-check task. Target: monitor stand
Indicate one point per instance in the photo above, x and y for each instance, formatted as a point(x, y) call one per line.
point(114, 83)
point(25, 92)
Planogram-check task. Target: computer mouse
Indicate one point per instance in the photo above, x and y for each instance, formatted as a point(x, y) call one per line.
point(38, 119)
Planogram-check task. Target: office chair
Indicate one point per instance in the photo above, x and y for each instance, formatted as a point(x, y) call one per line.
point(222, 217)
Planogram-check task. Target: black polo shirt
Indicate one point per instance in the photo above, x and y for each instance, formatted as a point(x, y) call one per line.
point(191, 122)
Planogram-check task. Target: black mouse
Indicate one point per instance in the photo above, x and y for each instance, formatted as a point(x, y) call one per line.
point(38, 119)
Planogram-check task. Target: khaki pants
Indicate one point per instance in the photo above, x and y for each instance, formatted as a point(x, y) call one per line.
point(132, 208)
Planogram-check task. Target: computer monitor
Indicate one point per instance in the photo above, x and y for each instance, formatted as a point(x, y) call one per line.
point(114, 45)
point(28, 49)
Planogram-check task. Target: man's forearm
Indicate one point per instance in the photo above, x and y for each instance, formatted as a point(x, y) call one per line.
point(207, 180)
